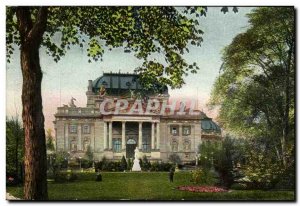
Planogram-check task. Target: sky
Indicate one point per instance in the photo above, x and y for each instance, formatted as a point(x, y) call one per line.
point(69, 77)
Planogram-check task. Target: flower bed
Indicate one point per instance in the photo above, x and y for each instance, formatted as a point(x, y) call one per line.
point(202, 189)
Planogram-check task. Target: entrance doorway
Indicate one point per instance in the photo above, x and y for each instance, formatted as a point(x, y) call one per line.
point(130, 147)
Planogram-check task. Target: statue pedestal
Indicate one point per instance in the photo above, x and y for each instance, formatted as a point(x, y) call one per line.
point(136, 166)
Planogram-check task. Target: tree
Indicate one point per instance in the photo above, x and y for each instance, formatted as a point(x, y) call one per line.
point(49, 137)
point(146, 165)
point(255, 91)
point(123, 163)
point(174, 158)
point(143, 30)
point(89, 154)
point(14, 147)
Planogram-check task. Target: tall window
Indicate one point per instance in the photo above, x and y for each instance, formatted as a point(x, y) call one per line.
point(86, 129)
point(174, 130)
point(73, 128)
point(186, 130)
point(117, 145)
point(146, 145)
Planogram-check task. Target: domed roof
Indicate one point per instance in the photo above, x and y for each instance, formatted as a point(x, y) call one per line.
point(208, 125)
point(120, 83)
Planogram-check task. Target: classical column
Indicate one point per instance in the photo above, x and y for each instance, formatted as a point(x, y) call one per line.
point(110, 136)
point(79, 137)
point(152, 136)
point(105, 135)
point(67, 138)
point(140, 135)
point(123, 135)
point(157, 136)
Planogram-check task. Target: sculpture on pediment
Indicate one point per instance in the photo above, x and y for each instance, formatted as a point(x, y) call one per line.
point(102, 91)
point(71, 103)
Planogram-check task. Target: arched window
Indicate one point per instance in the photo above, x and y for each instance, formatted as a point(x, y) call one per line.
point(131, 141)
point(174, 146)
point(117, 145)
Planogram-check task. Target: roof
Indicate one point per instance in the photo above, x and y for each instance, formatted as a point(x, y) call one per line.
point(122, 83)
point(209, 126)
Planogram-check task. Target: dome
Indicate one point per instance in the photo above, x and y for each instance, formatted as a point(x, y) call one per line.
point(120, 83)
point(209, 126)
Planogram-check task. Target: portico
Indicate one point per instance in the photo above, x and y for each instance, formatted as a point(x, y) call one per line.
point(140, 140)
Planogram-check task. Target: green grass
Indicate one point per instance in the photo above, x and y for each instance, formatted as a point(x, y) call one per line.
point(143, 186)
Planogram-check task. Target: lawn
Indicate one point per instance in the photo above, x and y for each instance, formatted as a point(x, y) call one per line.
point(143, 186)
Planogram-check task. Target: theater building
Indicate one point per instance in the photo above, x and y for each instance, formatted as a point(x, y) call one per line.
point(114, 134)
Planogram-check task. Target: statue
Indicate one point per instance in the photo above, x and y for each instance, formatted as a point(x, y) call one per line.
point(71, 103)
point(132, 95)
point(136, 163)
point(102, 91)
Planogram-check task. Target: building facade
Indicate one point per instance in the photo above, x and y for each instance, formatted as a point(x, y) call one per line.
point(114, 134)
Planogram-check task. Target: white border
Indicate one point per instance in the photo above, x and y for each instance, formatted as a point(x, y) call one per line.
point(110, 2)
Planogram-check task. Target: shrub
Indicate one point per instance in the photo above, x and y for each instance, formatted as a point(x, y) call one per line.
point(175, 159)
point(154, 166)
point(203, 177)
point(73, 165)
point(86, 163)
point(123, 163)
point(239, 186)
point(145, 164)
point(129, 164)
point(65, 177)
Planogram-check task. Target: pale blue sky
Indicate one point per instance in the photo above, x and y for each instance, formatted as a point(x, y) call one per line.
point(71, 74)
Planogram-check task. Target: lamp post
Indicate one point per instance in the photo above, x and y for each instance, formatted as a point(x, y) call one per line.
point(212, 159)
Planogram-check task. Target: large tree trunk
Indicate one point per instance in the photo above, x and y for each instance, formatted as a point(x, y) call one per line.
point(35, 186)
point(33, 120)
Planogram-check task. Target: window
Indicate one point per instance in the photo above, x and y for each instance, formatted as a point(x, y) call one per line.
point(186, 130)
point(146, 146)
point(174, 130)
point(117, 145)
point(73, 128)
point(86, 129)
point(174, 146)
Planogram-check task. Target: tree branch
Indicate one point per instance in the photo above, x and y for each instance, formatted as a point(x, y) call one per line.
point(39, 27)
point(24, 21)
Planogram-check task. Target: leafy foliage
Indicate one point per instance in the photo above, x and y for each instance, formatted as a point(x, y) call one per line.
point(203, 177)
point(49, 143)
point(174, 158)
point(255, 91)
point(145, 163)
point(123, 163)
point(89, 153)
point(142, 30)
point(14, 147)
